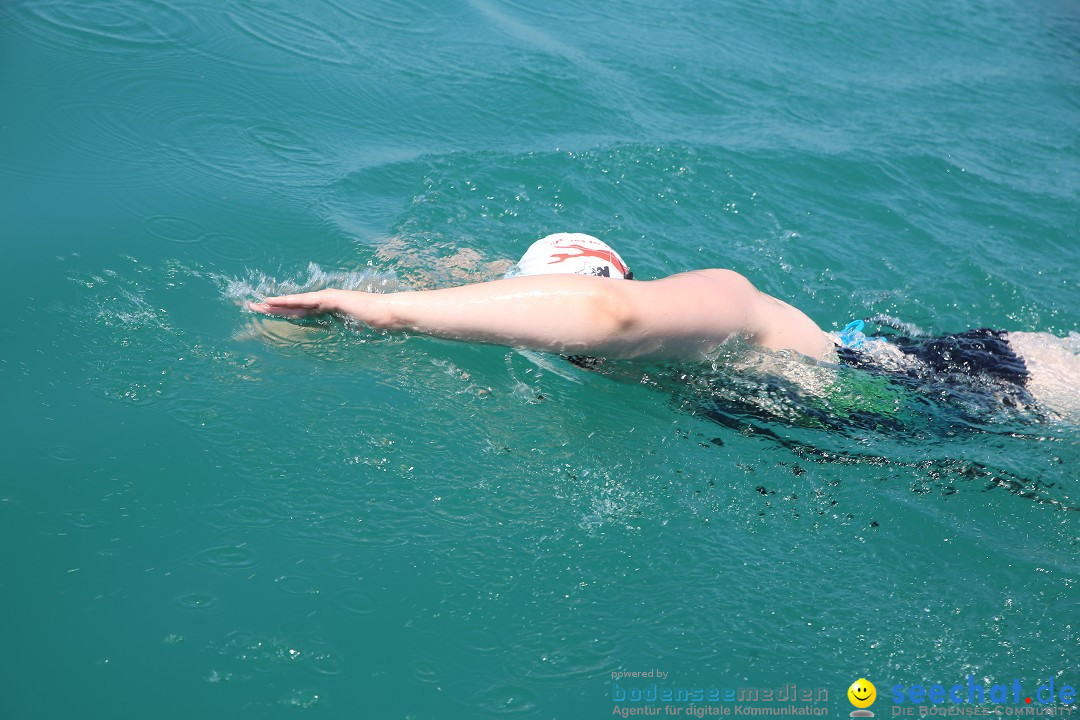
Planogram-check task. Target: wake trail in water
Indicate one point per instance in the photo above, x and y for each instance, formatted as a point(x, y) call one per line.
point(947, 436)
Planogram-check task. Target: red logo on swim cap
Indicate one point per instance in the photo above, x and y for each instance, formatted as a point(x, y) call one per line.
point(606, 255)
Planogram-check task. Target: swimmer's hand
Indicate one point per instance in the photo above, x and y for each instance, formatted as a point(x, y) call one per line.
point(361, 306)
point(298, 306)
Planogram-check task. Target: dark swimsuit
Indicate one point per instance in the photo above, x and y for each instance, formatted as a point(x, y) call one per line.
point(973, 352)
point(976, 362)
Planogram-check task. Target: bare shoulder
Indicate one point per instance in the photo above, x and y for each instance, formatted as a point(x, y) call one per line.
point(720, 283)
point(693, 311)
point(718, 274)
point(737, 305)
point(717, 278)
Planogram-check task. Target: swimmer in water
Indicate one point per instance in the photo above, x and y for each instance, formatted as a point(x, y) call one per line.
point(563, 297)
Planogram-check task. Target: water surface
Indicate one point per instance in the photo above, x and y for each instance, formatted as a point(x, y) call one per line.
point(205, 517)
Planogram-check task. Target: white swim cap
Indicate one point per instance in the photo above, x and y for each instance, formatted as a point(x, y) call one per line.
point(571, 253)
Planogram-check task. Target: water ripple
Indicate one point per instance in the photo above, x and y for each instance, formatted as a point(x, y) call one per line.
point(296, 585)
point(113, 24)
point(292, 34)
point(247, 513)
point(346, 566)
point(426, 672)
point(398, 16)
point(354, 602)
point(505, 699)
point(196, 601)
point(234, 147)
point(217, 415)
point(228, 557)
point(231, 248)
point(60, 453)
point(175, 229)
point(83, 519)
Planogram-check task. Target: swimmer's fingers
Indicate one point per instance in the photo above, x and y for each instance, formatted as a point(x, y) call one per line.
point(267, 309)
point(296, 306)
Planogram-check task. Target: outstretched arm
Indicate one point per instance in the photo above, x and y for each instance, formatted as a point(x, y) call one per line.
point(677, 318)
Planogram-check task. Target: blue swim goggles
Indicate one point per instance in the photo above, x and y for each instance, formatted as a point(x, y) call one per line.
point(852, 336)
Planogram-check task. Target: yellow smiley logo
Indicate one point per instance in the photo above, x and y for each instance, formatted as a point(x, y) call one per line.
point(862, 693)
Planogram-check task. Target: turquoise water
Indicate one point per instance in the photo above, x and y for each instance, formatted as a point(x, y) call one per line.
point(206, 517)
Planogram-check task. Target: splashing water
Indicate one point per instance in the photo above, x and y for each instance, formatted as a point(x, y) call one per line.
point(256, 285)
